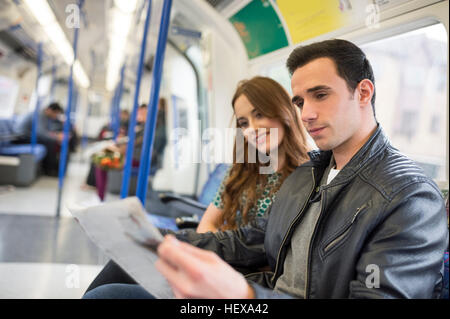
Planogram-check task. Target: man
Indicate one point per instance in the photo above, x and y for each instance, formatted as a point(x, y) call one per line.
point(360, 220)
point(49, 133)
point(49, 124)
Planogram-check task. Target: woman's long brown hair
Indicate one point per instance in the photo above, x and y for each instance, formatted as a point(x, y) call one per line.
point(271, 100)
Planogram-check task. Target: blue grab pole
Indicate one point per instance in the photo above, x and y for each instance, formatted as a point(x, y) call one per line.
point(35, 120)
point(150, 124)
point(116, 115)
point(65, 142)
point(132, 122)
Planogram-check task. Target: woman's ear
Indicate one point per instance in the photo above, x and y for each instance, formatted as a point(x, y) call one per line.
point(366, 90)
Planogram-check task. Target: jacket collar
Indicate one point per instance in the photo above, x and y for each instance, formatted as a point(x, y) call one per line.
point(377, 142)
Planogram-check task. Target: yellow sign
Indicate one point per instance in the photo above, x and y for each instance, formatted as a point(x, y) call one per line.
point(308, 19)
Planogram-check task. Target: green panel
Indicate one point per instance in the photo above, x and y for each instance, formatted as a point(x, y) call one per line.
point(260, 28)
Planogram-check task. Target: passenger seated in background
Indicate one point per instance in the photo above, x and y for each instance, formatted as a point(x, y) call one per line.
point(106, 132)
point(245, 193)
point(359, 220)
point(49, 133)
point(258, 103)
point(98, 177)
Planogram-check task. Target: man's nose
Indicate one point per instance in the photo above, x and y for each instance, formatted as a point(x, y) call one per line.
point(308, 113)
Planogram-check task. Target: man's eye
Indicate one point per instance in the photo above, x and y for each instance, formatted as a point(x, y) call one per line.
point(259, 115)
point(320, 96)
point(299, 103)
point(242, 124)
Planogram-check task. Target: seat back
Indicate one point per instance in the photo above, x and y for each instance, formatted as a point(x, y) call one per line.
point(6, 131)
point(211, 186)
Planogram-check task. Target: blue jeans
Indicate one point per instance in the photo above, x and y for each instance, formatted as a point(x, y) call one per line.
point(118, 291)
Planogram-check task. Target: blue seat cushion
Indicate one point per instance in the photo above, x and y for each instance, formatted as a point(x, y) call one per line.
point(163, 222)
point(212, 184)
point(39, 151)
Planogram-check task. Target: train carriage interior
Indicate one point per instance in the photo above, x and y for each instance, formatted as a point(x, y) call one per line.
point(80, 70)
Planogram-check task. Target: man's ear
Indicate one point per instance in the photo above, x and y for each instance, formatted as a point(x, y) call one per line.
point(366, 89)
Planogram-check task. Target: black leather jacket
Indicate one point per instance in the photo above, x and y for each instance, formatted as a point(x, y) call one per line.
point(381, 233)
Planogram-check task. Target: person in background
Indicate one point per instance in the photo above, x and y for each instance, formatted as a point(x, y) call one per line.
point(97, 177)
point(49, 133)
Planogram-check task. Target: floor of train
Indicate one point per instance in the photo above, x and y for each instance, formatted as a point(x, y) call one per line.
point(41, 255)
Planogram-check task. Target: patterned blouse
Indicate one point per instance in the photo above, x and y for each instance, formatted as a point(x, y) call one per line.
point(262, 204)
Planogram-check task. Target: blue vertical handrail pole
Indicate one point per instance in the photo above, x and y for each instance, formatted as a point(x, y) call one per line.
point(150, 124)
point(116, 126)
point(35, 120)
point(66, 129)
point(132, 122)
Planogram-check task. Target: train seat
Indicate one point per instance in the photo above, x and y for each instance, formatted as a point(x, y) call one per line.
point(19, 163)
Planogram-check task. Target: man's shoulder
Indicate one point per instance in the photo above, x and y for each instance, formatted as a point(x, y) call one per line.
point(391, 171)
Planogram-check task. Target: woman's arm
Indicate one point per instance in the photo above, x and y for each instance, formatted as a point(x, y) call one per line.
point(209, 219)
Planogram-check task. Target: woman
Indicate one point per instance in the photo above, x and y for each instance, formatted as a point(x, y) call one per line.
point(260, 104)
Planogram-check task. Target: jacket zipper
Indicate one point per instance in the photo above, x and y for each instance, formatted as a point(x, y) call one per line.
point(340, 237)
point(290, 226)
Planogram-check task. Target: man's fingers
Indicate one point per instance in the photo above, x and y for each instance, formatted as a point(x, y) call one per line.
point(181, 254)
point(176, 278)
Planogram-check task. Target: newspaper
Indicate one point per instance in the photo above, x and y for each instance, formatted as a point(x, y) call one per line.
point(125, 234)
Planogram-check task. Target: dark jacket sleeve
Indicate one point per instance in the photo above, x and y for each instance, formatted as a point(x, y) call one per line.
point(405, 248)
point(243, 247)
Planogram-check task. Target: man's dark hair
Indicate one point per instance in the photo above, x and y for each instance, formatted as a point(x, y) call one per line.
point(143, 105)
point(351, 62)
point(55, 107)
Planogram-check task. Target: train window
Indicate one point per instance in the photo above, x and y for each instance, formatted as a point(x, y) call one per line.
point(411, 94)
point(9, 89)
point(278, 72)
